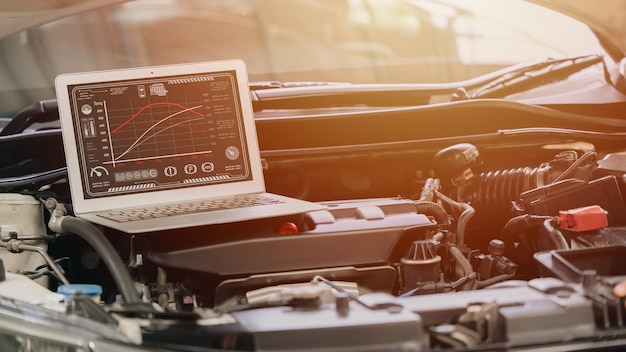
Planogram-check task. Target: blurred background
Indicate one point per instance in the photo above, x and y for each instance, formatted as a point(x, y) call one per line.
point(359, 41)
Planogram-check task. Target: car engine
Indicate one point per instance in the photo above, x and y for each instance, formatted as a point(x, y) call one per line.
point(474, 250)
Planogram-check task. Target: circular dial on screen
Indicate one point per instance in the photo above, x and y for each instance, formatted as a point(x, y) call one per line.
point(232, 152)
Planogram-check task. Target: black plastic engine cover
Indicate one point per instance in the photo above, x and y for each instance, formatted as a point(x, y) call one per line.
point(349, 233)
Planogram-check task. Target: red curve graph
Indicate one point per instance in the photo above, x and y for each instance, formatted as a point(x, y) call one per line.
point(148, 106)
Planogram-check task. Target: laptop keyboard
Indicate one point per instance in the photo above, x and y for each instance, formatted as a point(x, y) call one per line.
point(189, 208)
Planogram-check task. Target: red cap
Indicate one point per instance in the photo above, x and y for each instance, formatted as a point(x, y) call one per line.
point(288, 228)
point(583, 219)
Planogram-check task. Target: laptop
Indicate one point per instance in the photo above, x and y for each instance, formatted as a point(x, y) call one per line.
point(165, 147)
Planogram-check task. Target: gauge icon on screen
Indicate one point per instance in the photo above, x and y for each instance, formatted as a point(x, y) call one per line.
point(98, 171)
point(232, 152)
point(208, 166)
point(86, 109)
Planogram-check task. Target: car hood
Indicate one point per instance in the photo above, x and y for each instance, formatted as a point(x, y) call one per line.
point(18, 15)
point(607, 18)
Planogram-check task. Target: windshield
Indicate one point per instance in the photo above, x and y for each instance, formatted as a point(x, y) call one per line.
point(357, 41)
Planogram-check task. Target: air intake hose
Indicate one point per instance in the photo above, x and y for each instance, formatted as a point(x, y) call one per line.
point(492, 193)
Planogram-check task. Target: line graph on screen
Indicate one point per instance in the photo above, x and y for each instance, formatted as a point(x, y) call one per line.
point(157, 130)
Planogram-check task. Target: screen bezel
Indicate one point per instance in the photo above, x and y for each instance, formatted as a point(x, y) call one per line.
point(84, 205)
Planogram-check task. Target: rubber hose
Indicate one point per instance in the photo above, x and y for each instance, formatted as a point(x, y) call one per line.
point(467, 213)
point(464, 265)
point(464, 218)
point(555, 235)
point(433, 209)
point(105, 249)
point(493, 280)
point(518, 225)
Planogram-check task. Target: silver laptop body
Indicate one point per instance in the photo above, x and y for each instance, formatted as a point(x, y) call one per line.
point(161, 139)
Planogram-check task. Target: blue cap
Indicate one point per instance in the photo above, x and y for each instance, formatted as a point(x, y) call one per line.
point(85, 289)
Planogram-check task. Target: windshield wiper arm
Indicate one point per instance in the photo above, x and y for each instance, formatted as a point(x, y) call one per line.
point(535, 75)
point(302, 95)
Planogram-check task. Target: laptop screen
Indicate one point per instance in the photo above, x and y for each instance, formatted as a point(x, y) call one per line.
point(160, 133)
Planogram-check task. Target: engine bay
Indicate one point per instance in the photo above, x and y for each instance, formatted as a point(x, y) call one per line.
point(437, 223)
point(432, 243)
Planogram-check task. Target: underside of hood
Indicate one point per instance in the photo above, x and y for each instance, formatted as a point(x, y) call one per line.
point(18, 15)
point(607, 18)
